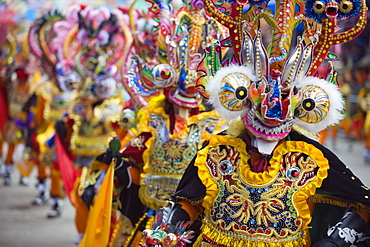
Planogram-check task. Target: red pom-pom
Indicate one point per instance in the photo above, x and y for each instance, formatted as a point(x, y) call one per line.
point(21, 74)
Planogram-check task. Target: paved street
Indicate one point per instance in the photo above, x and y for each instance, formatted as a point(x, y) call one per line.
point(23, 225)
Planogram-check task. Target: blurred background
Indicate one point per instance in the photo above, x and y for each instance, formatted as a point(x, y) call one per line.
point(22, 224)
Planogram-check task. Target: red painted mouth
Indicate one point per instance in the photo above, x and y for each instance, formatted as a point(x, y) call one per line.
point(332, 9)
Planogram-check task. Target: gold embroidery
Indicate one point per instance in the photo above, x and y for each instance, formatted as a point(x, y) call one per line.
point(169, 155)
point(271, 204)
point(138, 142)
point(93, 129)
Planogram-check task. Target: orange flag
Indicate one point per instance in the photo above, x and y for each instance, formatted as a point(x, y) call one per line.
point(99, 221)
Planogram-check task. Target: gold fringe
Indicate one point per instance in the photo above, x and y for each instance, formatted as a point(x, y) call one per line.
point(115, 229)
point(148, 225)
point(340, 202)
point(235, 240)
point(192, 202)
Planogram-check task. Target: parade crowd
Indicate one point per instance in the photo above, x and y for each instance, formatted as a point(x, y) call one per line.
point(202, 123)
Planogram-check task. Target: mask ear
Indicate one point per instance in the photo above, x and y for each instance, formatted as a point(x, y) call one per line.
point(321, 106)
point(229, 90)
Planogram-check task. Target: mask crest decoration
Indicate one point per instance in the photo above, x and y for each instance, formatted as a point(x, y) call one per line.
point(8, 50)
point(275, 88)
point(95, 43)
point(181, 34)
point(144, 29)
point(40, 39)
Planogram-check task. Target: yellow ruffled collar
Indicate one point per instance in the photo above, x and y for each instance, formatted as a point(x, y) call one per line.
point(262, 179)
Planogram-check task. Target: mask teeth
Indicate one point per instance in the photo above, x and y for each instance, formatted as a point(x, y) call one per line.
point(256, 124)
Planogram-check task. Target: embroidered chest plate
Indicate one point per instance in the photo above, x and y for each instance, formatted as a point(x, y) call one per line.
point(56, 101)
point(93, 128)
point(57, 106)
point(266, 207)
point(171, 155)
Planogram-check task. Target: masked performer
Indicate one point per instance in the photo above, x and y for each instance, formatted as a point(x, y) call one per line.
point(19, 89)
point(52, 103)
point(8, 49)
point(96, 40)
point(172, 126)
point(264, 182)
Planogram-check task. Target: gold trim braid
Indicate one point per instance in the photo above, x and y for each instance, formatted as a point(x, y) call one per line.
point(340, 202)
point(230, 239)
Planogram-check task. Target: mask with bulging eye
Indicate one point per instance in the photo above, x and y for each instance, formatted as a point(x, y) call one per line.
point(98, 40)
point(179, 42)
point(273, 90)
point(321, 10)
point(271, 103)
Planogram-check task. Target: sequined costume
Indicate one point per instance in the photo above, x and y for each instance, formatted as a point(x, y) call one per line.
point(51, 105)
point(171, 126)
point(266, 181)
point(94, 45)
point(19, 87)
point(161, 153)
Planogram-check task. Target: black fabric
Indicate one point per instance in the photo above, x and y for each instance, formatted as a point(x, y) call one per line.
point(61, 129)
point(88, 195)
point(341, 182)
point(122, 175)
point(29, 103)
point(89, 192)
point(106, 157)
point(324, 216)
point(131, 205)
point(190, 185)
point(354, 226)
point(171, 215)
point(326, 243)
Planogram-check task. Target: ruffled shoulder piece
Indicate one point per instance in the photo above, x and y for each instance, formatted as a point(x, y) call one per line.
point(312, 167)
point(201, 163)
point(295, 171)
